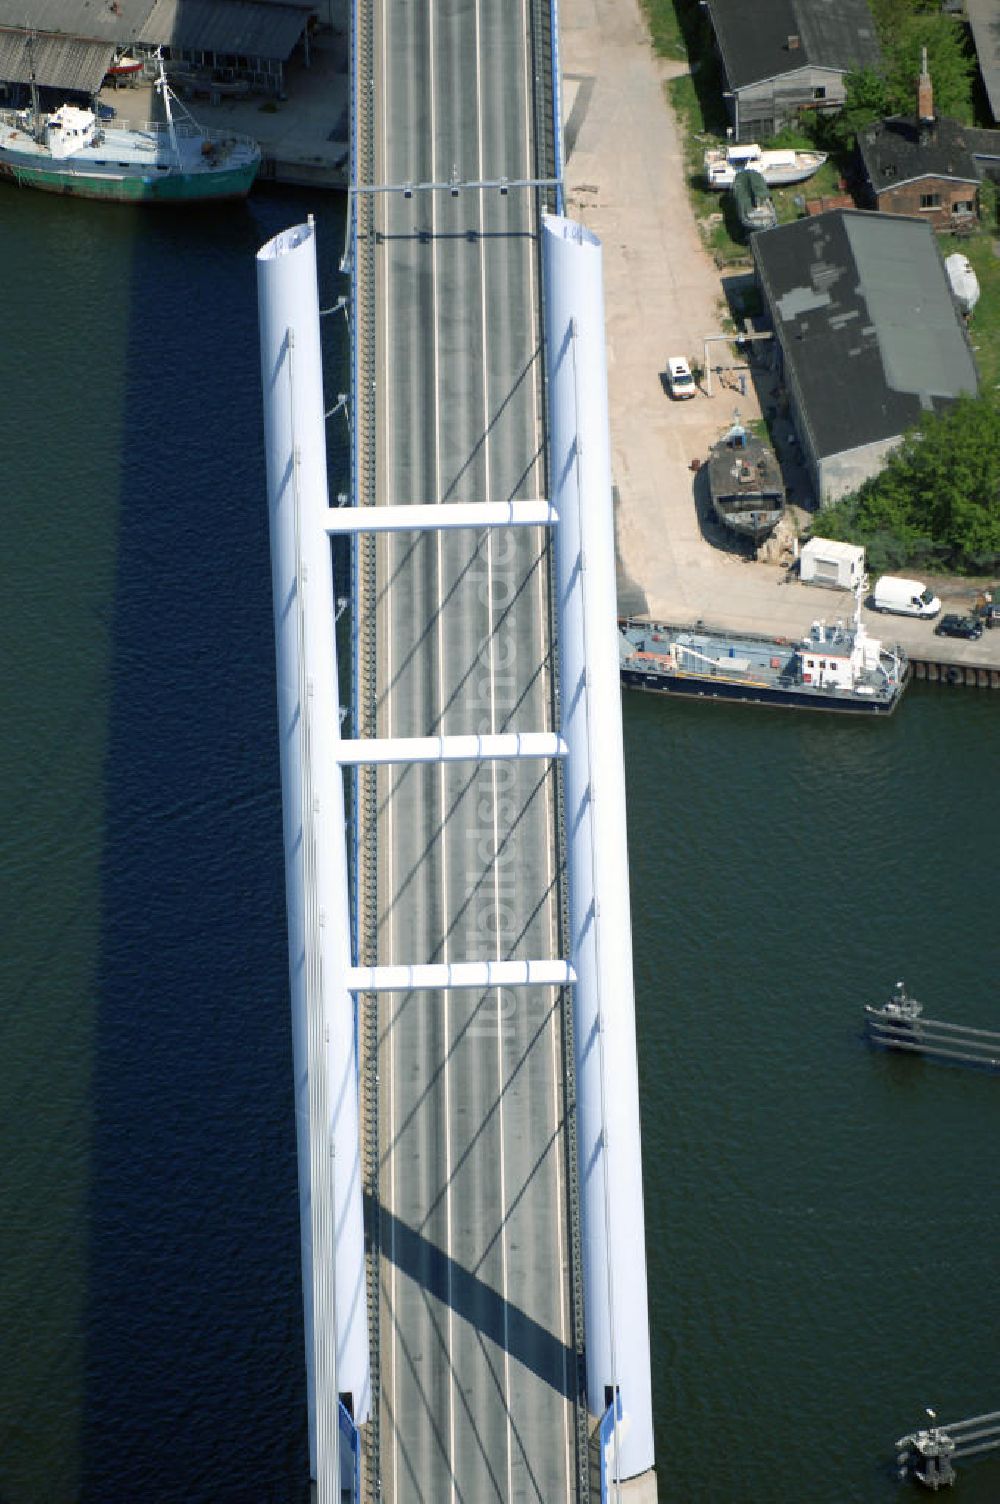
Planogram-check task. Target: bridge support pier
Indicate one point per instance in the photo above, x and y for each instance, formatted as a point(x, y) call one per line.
point(316, 868)
point(610, 1158)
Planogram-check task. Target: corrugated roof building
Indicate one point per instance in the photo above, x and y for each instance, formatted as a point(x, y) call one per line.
point(60, 62)
point(249, 28)
point(115, 21)
point(73, 40)
point(780, 57)
point(869, 333)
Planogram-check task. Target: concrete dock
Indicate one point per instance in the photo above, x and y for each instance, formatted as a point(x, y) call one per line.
point(663, 295)
point(303, 139)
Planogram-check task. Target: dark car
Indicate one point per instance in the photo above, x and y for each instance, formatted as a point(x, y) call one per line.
point(959, 626)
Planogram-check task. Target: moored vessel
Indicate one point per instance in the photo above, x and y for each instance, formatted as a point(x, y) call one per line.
point(778, 168)
point(745, 483)
point(838, 667)
point(71, 151)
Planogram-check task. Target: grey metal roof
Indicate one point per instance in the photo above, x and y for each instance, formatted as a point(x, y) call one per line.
point(246, 27)
point(838, 33)
point(59, 62)
point(753, 38)
point(867, 322)
point(256, 28)
point(897, 151)
point(94, 19)
point(984, 21)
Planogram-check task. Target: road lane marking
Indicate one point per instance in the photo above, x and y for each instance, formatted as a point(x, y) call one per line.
point(544, 638)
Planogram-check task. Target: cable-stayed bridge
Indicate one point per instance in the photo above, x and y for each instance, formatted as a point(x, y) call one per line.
point(459, 927)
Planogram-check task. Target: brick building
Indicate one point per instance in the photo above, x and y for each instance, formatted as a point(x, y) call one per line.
point(921, 165)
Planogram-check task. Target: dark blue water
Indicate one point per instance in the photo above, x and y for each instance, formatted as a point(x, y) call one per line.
point(150, 1253)
point(822, 1223)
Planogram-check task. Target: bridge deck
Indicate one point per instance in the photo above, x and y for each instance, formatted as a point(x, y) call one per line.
point(478, 1371)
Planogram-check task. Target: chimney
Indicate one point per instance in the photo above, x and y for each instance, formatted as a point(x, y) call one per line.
point(793, 42)
point(925, 93)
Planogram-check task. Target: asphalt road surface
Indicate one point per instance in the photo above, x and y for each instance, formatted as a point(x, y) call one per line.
point(477, 1365)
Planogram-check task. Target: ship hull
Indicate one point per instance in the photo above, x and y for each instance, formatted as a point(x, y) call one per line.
point(172, 188)
point(721, 173)
point(693, 687)
point(768, 519)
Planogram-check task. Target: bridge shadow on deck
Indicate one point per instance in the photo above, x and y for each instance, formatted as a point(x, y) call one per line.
point(495, 1319)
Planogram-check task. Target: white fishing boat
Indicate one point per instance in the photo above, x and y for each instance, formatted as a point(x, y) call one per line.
point(72, 151)
point(778, 168)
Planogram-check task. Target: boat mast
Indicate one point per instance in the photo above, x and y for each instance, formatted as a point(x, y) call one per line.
point(36, 129)
point(164, 89)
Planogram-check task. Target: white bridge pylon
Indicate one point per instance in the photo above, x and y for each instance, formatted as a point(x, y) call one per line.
point(325, 978)
point(616, 1318)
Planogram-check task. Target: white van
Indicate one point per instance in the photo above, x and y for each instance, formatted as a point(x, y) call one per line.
point(904, 597)
point(679, 377)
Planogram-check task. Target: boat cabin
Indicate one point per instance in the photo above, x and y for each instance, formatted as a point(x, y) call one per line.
point(827, 665)
point(69, 129)
point(837, 657)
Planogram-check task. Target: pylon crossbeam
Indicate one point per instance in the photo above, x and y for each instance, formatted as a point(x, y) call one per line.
point(421, 516)
point(436, 976)
point(503, 745)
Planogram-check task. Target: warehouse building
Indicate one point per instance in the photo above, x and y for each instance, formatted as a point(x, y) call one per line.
point(869, 334)
point(783, 57)
point(233, 44)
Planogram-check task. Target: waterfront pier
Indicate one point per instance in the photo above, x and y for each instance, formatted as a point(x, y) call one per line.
point(928, 1455)
point(900, 1024)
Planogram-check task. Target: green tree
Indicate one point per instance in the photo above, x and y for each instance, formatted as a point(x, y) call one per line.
point(937, 502)
point(949, 63)
point(867, 99)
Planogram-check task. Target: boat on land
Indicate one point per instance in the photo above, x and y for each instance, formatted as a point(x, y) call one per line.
point(123, 65)
point(745, 483)
point(754, 204)
point(777, 167)
point(72, 151)
point(836, 668)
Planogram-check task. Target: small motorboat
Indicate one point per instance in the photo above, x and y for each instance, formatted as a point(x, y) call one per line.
point(123, 65)
point(778, 168)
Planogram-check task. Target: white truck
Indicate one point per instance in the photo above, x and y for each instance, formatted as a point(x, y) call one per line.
point(826, 561)
point(904, 597)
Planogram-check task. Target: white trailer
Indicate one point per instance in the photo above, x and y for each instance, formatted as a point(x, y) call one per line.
point(838, 566)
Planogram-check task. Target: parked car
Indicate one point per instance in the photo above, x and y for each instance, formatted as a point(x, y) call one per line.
point(953, 625)
point(679, 379)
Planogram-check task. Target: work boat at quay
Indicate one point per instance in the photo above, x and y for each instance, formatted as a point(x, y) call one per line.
point(72, 151)
point(836, 667)
point(778, 168)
